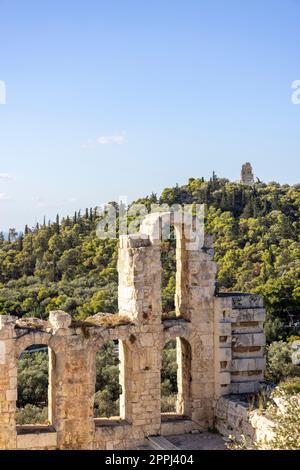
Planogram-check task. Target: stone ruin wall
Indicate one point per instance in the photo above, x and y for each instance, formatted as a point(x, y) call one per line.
point(234, 417)
point(219, 338)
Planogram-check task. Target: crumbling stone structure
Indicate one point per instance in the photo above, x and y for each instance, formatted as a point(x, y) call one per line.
point(219, 351)
point(247, 176)
point(236, 417)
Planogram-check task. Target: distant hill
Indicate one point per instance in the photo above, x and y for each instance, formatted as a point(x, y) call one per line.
point(256, 228)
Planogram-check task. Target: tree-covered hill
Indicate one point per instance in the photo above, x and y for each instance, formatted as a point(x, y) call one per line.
point(64, 265)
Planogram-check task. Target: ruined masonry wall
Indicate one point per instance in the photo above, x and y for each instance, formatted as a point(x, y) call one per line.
point(220, 350)
point(234, 418)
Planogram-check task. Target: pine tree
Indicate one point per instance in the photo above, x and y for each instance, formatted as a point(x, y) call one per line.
point(223, 202)
point(57, 224)
point(20, 242)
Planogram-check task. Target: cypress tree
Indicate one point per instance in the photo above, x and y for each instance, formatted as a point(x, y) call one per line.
point(57, 225)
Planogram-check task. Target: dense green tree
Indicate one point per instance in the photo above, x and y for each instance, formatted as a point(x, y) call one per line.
point(257, 249)
point(33, 379)
point(108, 389)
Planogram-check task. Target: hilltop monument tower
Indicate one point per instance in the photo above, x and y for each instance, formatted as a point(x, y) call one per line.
point(247, 176)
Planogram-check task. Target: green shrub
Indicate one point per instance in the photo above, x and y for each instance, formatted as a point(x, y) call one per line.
point(105, 404)
point(168, 403)
point(287, 425)
point(31, 414)
point(33, 379)
point(279, 362)
point(293, 338)
point(108, 389)
point(274, 329)
point(169, 367)
point(290, 386)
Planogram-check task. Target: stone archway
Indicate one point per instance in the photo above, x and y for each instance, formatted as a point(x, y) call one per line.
point(176, 391)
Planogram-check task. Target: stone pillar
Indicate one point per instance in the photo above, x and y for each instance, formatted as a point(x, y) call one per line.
point(73, 381)
point(184, 358)
point(123, 379)
point(139, 270)
point(141, 384)
point(182, 304)
point(8, 384)
point(223, 345)
point(248, 341)
point(52, 386)
point(201, 289)
point(239, 343)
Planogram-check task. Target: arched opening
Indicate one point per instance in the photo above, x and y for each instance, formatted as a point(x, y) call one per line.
point(108, 390)
point(34, 399)
point(176, 379)
point(168, 276)
point(174, 279)
point(169, 385)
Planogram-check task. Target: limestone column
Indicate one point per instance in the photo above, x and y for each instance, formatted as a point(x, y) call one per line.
point(73, 382)
point(140, 299)
point(184, 358)
point(223, 345)
point(201, 288)
point(139, 269)
point(8, 384)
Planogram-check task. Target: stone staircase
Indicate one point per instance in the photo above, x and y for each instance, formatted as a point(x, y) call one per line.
point(161, 443)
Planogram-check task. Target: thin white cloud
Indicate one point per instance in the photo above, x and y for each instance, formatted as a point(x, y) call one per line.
point(111, 139)
point(117, 139)
point(5, 197)
point(5, 176)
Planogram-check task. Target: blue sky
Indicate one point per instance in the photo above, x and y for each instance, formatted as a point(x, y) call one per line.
point(126, 97)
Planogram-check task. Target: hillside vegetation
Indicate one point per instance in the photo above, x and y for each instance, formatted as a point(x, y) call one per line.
point(64, 265)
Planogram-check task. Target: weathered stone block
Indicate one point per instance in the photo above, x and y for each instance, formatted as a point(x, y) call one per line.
point(224, 329)
point(249, 339)
point(245, 364)
point(43, 441)
point(11, 395)
point(224, 378)
point(59, 319)
point(248, 315)
point(224, 354)
point(6, 320)
point(246, 301)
